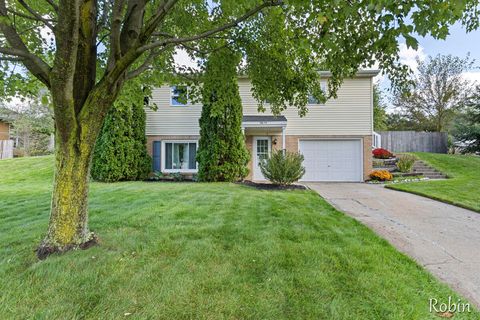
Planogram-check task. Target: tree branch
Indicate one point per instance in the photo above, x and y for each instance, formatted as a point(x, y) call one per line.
point(23, 15)
point(211, 32)
point(39, 68)
point(53, 5)
point(36, 14)
point(155, 20)
point(116, 25)
point(146, 64)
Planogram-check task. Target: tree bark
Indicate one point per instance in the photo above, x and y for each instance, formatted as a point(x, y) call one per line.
point(76, 134)
point(68, 225)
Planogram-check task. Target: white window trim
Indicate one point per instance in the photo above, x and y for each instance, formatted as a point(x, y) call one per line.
point(188, 104)
point(163, 159)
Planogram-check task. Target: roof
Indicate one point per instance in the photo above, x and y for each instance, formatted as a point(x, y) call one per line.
point(4, 118)
point(358, 74)
point(264, 119)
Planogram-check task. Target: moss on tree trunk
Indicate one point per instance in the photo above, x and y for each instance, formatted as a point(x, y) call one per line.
point(68, 225)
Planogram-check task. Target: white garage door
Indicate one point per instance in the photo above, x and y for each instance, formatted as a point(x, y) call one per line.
point(332, 160)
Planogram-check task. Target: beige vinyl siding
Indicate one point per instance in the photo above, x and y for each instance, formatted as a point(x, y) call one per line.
point(349, 114)
point(171, 120)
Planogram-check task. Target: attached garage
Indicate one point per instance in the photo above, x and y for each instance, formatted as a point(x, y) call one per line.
point(332, 160)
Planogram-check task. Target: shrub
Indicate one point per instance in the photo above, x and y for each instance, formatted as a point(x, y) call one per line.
point(120, 152)
point(405, 162)
point(381, 153)
point(381, 175)
point(283, 168)
point(222, 154)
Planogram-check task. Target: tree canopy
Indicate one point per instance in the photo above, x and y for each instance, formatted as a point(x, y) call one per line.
point(467, 127)
point(85, 51)
point(439, 91)
point(284, 41)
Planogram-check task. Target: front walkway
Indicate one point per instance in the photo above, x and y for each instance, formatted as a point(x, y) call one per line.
point(443, 238)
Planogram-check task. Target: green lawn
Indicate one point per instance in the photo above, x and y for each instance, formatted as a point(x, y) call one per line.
point(201, 251)
point(463, 189)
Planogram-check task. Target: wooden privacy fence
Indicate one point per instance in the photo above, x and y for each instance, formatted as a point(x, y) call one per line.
point(6, 149)
point(411, 141)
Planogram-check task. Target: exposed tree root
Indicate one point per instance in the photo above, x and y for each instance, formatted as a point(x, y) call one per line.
point(45, 250)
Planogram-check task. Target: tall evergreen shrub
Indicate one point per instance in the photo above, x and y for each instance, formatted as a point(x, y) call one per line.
point(222, 154)
point(120, 152)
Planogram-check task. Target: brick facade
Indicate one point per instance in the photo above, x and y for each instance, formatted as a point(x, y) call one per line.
point(291, 142)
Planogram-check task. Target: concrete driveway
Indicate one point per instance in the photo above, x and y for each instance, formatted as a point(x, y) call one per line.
point(443, 238)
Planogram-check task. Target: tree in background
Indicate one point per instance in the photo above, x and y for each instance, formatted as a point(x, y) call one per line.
point(84, 52)
point(467, 128)
point(31, 128)
point(398, 122)
point(222, 154)
point(439, 92)
point(379, 112)
point(120, 152)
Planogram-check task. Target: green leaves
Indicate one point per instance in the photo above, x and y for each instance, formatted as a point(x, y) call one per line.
point(222, 155)
point(411, 41)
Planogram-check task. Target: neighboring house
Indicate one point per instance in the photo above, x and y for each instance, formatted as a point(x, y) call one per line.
point(335, 138)
point(4, 128)
point(6, 145)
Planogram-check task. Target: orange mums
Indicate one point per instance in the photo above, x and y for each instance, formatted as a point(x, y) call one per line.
point(381, 175)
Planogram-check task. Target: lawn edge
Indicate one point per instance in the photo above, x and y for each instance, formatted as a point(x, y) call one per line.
point(418, 193)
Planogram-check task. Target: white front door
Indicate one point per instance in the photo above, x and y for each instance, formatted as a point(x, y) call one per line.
point(261, 151)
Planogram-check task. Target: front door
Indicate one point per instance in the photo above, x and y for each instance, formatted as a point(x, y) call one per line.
point(261, 147)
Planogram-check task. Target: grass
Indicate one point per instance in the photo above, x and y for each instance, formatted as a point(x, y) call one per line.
point(463, 189)
point(202, 251)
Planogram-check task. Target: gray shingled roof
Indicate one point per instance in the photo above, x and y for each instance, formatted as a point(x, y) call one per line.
point(264, 119)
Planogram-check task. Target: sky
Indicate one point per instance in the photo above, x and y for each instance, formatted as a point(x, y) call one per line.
point(458, 43)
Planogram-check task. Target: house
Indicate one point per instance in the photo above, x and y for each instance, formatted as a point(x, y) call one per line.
point(4, 128)
point(335, 138)
point(6, 145)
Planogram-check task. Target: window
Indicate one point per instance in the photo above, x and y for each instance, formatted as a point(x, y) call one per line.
point(312, 99)
point(180, 156)
point(179, 96)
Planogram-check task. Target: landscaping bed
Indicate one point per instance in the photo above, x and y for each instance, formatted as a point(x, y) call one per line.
point(271, 186)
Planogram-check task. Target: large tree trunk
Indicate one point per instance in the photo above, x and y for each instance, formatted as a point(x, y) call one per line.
point(68, 228)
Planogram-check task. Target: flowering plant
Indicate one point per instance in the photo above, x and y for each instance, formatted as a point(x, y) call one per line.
point(381, 153)
point(381, 175)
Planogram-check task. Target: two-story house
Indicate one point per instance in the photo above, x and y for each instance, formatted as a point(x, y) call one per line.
point(335, 138)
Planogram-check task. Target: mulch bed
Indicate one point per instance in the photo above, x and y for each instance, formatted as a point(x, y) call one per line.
point(270, 186)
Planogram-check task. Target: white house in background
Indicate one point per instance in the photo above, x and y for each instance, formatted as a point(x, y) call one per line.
point(335, 138)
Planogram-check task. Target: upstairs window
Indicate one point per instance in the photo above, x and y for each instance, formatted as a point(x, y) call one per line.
point(312, 99)
point(179, 96)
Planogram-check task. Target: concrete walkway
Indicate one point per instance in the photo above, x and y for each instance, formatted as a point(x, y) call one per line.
point(443, 238)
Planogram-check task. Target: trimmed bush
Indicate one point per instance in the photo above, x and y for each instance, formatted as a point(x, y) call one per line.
point(405, 162)
point(381, 175)
point(381, 153)
point(283, 168)
point(120, 152)
point(222, 154)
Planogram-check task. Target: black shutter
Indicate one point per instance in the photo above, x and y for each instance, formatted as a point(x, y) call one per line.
point(168, 155)
point(157, 155)
point(192, 156)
